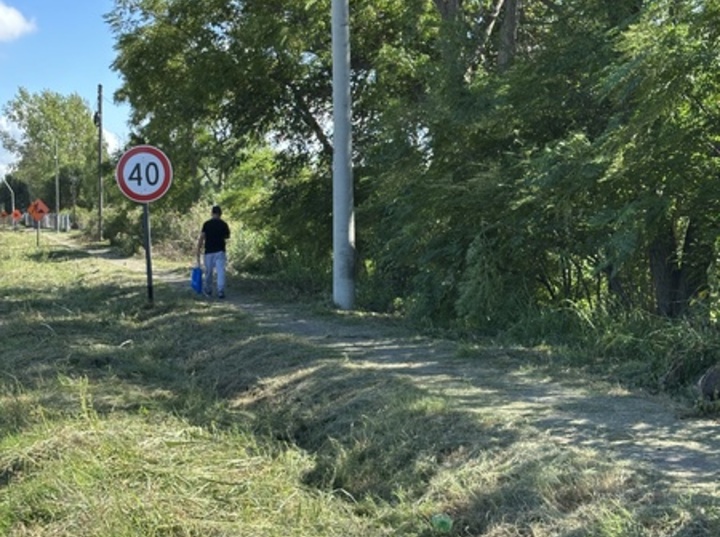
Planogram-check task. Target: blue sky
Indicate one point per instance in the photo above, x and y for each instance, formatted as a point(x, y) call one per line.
point(63, 46)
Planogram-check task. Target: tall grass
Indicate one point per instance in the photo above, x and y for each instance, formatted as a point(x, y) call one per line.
point(189, 419)
point(635, 348)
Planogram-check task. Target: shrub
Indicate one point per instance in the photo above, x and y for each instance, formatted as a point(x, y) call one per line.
point(122, 226)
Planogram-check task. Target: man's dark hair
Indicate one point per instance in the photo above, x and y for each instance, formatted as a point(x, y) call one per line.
point(216, 210)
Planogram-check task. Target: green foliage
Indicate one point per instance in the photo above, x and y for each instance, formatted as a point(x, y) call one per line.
point(207, 81)
point(635, 348)
point(175, 234)
point(534, 175)
point(489, 296)
point(652, 352)
point(57, 138)
point(292, 221)
point(85, 220)
point(123, 227)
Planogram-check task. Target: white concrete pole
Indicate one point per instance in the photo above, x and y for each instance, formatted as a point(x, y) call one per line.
point(12, 195)
point(343, 202)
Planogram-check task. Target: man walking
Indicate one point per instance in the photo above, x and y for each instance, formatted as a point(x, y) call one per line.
point(212, 237)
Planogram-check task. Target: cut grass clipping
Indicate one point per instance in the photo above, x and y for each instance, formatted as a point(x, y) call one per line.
point(189, 419)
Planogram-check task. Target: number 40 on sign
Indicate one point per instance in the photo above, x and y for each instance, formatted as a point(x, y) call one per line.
point(144, 173)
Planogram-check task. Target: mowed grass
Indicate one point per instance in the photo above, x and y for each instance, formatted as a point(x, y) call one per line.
point(189, 419)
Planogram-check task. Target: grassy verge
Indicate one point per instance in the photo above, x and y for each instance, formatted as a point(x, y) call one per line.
point(189, 419)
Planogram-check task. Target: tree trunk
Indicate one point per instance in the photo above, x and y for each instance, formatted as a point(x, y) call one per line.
point(677, 282)
point(616, 289)
point(696, 259)
point(508, 34)
point(664, 271)
point(448, 8)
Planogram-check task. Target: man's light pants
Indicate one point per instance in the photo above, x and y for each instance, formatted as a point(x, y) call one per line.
point(215, 262)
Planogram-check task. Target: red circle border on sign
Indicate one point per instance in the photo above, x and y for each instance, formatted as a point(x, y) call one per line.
point(167, 168)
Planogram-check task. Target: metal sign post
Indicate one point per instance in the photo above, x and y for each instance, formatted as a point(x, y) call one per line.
point(148, 253)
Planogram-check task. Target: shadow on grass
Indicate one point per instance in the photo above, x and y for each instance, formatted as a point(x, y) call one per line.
point(373, 433)
point(558, 487)
point(59, 255)
point(346, 396)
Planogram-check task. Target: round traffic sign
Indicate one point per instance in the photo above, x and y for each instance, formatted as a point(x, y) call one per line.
point(144, 173)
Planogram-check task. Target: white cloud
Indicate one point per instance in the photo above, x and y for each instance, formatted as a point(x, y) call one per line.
point(13, 24)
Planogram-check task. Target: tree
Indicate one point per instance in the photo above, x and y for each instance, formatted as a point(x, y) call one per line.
point(544, 151)
point(206, 80)
point(503, 180)
point(667, 141)
point(56, 135)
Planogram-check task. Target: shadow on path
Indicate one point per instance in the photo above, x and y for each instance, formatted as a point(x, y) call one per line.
point(633, 427)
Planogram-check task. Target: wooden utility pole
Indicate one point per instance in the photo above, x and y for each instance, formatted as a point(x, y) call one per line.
point(98, 122)
point(57, 187)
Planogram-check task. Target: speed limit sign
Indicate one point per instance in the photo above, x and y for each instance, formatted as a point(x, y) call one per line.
point(144, 173)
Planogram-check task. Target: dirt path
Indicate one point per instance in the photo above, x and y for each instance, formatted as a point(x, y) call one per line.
point(630, 426)
point(633, 426)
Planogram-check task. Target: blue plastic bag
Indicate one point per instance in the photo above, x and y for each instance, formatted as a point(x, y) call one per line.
point(196, 279)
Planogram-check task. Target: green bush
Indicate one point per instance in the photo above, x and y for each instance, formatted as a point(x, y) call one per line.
point(491, 297)
point(122, 226)
point(246, 248)
point(82, 218)
point(175, 234)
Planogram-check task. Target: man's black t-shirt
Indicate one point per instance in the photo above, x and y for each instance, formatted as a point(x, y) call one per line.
point(216, 233)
